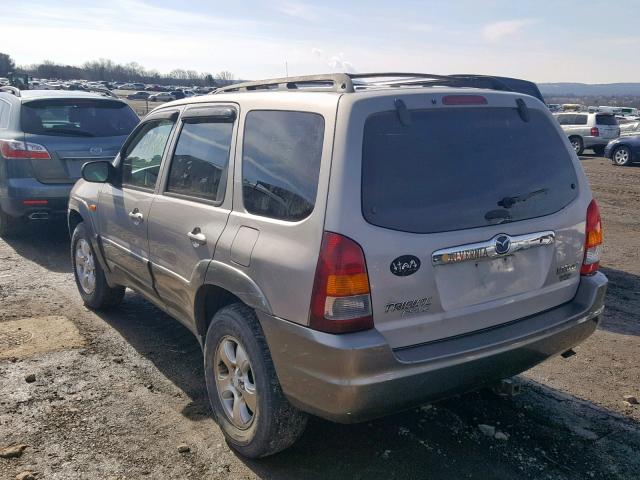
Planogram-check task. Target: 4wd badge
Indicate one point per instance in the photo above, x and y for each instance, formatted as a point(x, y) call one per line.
point(405, 265)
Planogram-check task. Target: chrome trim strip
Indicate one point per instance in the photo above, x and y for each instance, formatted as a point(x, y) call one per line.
point(107, 157)
point(473, 252)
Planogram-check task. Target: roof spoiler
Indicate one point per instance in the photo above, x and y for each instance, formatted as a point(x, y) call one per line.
point(522, 86)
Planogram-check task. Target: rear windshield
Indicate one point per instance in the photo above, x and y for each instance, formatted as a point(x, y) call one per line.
point(457, 168)
point(606, 120)
point(78, 117)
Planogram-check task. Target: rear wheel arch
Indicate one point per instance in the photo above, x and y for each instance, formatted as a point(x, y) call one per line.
point(209, 300)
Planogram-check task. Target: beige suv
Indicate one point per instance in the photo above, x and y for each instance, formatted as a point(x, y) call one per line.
point(347, 248)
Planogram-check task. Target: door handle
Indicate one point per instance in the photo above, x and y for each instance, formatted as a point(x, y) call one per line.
point(135, 216)
point(197, 237)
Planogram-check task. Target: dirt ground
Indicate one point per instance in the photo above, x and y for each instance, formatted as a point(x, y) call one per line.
point(116, 393)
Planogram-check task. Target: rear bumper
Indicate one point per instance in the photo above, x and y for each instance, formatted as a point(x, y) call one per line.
point(355, 377)
point(590, 142)
point(18, 190)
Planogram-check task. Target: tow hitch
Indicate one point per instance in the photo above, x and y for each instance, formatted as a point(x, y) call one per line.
point(507, 387)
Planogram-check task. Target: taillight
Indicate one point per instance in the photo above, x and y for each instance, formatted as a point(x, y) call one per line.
point(17, 149)
point(341, 300)
point(593, 241)
point(595, 132)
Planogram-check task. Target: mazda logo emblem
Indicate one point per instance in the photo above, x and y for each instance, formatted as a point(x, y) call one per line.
point(503, 243)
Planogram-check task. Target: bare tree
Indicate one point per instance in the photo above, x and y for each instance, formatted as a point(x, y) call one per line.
point(225, 75)
point(6, 64)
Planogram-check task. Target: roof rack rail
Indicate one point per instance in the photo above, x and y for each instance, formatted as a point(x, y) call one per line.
point(15, 91)
point(337, 82)
point(351, 82)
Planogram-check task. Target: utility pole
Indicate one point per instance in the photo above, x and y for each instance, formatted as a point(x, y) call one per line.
point(286, 69)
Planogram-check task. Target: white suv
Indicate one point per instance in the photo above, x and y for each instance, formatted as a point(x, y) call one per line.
point(589, 130)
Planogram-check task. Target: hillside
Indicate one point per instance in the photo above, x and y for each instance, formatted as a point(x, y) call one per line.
point(584, 89)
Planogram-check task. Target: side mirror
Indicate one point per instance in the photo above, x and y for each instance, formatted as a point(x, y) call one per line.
point(98, 172)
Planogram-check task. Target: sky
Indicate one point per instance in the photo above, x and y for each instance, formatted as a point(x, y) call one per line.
point(587, 41)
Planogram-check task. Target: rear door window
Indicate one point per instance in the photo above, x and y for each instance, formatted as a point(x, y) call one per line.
point(281, 163)
point(580, 120)
point(199, 164)
point(460, 168)
point(84, 117)
point(606, 120)
point(5, 109)
point(565, 119)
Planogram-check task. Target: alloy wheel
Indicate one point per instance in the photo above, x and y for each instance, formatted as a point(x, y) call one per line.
point(576, 145)
point(621, 156)
point(235, 382)
point(85, 267)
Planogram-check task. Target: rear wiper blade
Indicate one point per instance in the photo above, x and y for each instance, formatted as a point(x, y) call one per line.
point(508, 202)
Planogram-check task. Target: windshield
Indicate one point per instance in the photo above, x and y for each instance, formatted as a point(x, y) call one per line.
point(78, 117)
point(457, 168)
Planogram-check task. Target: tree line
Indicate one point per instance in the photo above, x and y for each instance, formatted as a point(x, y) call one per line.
point(110, 71)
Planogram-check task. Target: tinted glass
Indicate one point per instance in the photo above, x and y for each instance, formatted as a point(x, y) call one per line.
point(606, 120)
point(79, 118)
point(4, 114)
point(451, 169)
point(565, 119)
point(141, 165)
point(281, 163)
point(580, 120)
point(199, 163)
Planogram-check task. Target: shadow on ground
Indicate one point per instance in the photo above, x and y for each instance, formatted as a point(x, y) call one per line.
point(622, 313)
point(46, 243)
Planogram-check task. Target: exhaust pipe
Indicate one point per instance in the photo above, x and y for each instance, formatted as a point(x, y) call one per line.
point(39, 216)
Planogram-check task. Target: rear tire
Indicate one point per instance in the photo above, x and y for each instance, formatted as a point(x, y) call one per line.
point(577, 144)
point(7, 224)
point(255, 417)
point(87, 271)
point(599, 150)
point(621, 156)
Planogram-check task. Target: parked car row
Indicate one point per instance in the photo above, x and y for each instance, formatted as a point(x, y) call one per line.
point(601, 133)
point(589, 130)
point(49, 84)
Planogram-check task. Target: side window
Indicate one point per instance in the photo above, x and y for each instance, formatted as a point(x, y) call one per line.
point(564, 119)
point(199, 163)
point(580, 120)
point(281, 163)
point(5, 108)
point(141, 164)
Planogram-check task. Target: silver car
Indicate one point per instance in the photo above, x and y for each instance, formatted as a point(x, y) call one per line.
point(341, 247)
point(589, 130)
